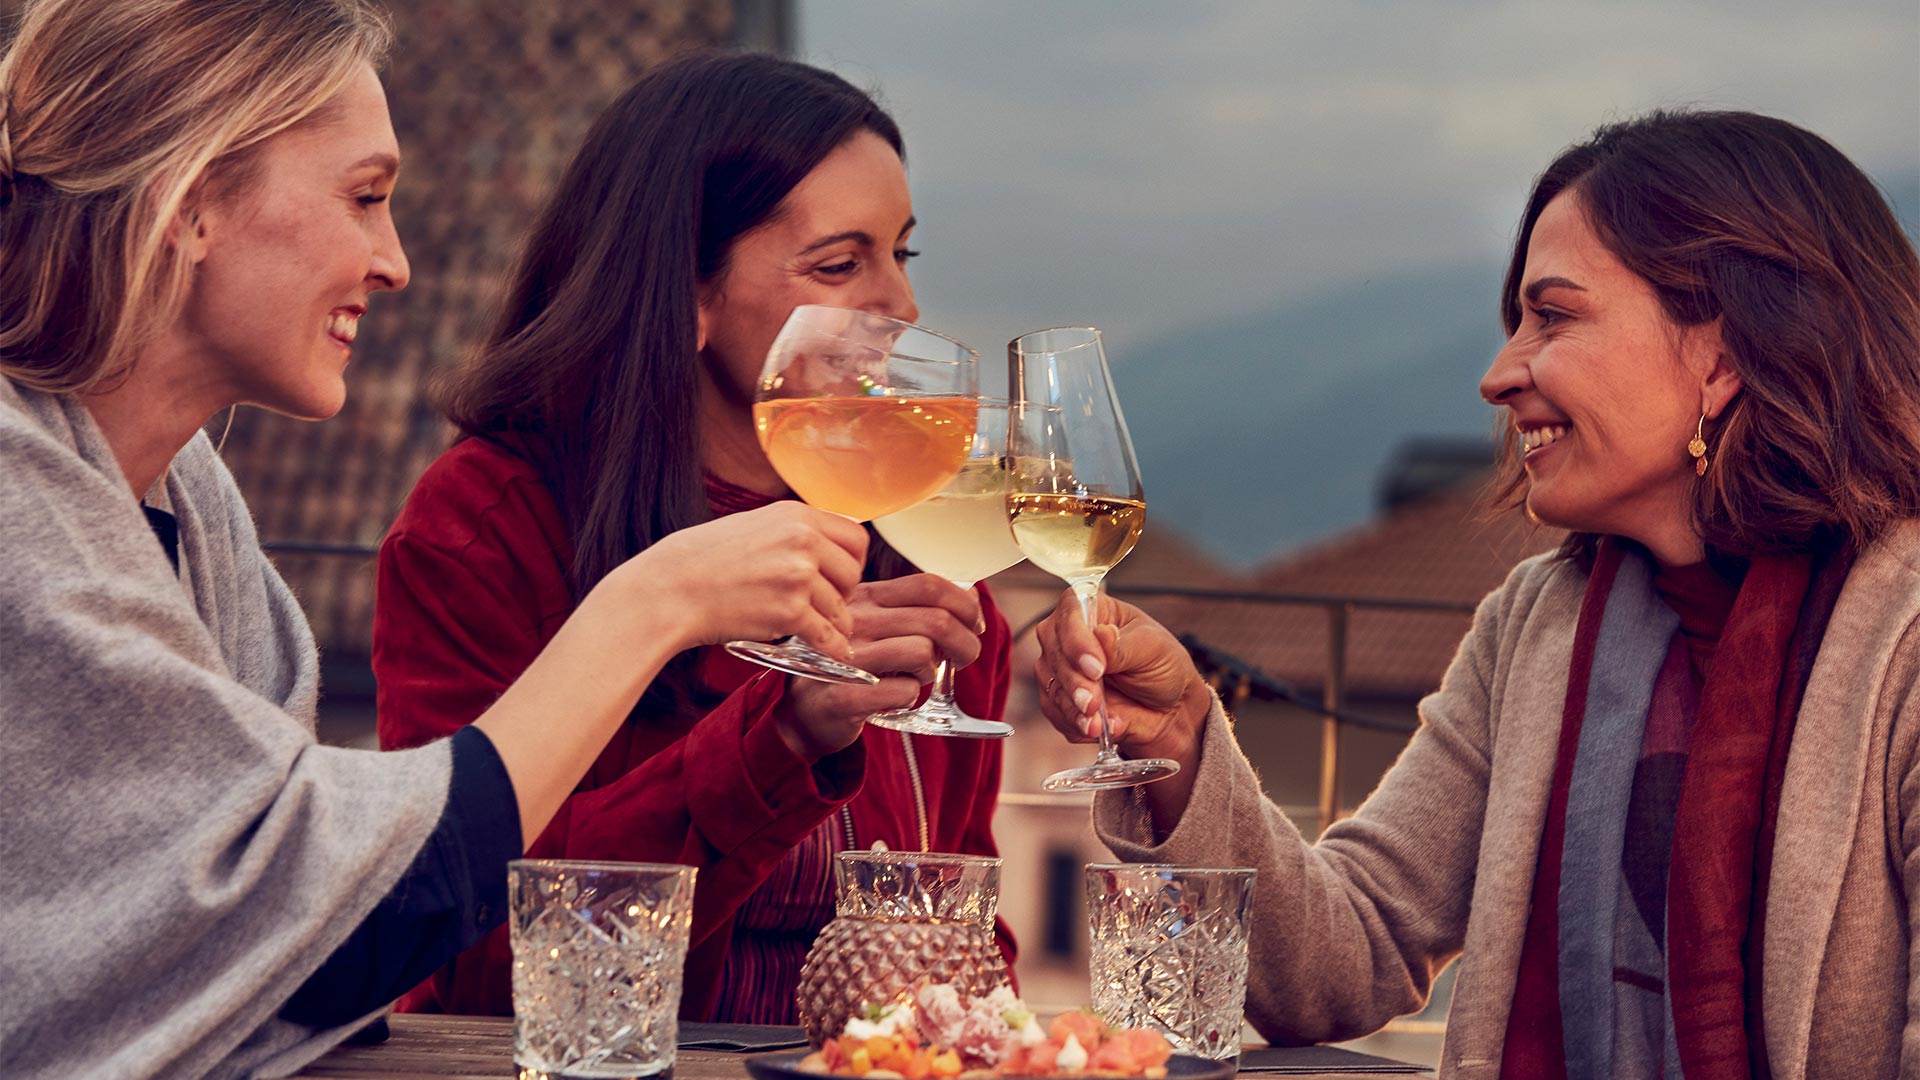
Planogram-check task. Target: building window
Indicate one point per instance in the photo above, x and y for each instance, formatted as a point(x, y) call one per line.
point(1066, 920)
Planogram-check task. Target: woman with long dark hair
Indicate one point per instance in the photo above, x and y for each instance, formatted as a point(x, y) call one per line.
point(1665, 804)
point(611, 409)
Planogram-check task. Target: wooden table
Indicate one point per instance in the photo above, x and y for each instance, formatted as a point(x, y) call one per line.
point(426, 1047)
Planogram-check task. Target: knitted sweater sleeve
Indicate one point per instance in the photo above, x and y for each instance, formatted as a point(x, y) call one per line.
point(180, 855)
point(1350, 931)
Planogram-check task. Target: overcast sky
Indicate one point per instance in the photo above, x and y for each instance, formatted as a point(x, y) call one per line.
point(1145, 166)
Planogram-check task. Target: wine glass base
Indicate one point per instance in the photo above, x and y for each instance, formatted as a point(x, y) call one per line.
point(1101, 776)
point(931, 719)
point(796, 657)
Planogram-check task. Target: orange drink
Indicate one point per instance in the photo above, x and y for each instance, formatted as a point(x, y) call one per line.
point(866, 457)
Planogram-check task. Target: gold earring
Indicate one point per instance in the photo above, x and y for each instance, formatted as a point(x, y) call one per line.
point(1697, 449)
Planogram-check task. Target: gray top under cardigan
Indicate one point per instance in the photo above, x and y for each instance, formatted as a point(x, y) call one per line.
point(177, 853)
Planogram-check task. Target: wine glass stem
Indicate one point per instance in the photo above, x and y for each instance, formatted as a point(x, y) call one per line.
point(942, 683)
point(942, 695)
point(1088, 591)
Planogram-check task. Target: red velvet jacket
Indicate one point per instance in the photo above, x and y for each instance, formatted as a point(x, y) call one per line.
point(472, 585)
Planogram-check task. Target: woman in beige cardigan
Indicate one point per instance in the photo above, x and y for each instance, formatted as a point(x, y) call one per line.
point(1664, 801)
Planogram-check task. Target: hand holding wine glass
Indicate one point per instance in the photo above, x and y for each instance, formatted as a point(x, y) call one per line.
point(861, 415)
point(902, 628)
point(789, 568)
point(960, 533)
point(1148, 688)
point(1077, 506)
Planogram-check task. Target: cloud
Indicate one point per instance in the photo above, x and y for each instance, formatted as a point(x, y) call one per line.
point(1152, 164)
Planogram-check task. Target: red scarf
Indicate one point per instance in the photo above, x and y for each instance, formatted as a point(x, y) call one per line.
point(1723, 829)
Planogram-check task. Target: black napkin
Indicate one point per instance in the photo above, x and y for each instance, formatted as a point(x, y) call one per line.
point(1319, 1059)
point(740, 1038)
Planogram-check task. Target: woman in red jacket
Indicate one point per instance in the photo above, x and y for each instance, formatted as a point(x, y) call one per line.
point(611, 407)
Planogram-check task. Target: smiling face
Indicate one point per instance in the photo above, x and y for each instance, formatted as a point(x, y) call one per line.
point(286, 263)
point(839, 238)
point(1604, 390)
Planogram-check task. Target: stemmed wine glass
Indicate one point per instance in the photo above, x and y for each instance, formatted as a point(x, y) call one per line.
point(1077, 507)
point(960, 533)
point(861, 415)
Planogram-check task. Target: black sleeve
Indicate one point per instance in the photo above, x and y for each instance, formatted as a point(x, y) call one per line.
point(455, 891)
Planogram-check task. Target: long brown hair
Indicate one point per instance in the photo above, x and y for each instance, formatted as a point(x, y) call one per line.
point(592, 370)
point(1770, 229)
point(114, 116)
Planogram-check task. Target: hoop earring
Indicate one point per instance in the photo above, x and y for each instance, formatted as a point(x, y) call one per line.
point(1697, 449)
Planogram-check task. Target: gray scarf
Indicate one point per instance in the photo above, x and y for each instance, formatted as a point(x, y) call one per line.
point(177, 854)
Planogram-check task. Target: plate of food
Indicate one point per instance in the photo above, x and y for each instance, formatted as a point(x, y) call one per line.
point(936, 1034)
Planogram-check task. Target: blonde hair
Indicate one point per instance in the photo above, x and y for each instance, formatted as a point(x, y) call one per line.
point(115, 115)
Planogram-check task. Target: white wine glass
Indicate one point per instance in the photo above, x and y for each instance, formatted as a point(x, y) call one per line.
point(861, 415)
point(960, 533)
point(1077, 507)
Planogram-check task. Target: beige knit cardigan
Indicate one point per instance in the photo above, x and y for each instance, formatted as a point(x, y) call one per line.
point(1350, 931)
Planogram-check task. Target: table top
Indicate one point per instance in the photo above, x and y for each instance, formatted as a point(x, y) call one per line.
point(428, 1047)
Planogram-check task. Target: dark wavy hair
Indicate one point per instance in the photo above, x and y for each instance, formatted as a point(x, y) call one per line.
point(592, 370)
point(1770, 229)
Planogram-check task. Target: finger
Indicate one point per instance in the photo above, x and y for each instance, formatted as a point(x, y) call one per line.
point(1056, 702)
point(839, 566)
point(832, 705)
point(816, 630)
point(831, 606)
point(891, 692)
point(930, 591)
point(1072, 694)
point(938, 625)
point(1077, 643)
point(1150, 664)
point(850, 536)
point(1044, 633)
point(912, 655)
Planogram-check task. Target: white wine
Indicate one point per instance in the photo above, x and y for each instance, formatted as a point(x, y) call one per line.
point(960, 532)
point(1075, 537)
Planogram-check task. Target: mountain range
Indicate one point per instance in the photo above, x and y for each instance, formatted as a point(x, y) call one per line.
point(1259, 433)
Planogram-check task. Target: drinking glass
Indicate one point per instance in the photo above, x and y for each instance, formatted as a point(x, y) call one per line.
point(960, 533)
point(598, 951)
point(861, 415)
point(1076, 507)
point(1170, 952)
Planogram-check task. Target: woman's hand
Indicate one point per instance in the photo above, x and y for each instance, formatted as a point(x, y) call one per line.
point(783, 569)
point(901, 629)
point(1155, 699)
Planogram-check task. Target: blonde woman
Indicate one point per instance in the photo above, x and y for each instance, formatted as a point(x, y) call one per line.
point(193, 214)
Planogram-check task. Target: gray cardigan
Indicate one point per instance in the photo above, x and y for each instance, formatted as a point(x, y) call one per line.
point(1350, 931)
point(177, 854)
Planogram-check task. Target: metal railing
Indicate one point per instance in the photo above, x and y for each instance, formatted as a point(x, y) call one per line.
point(1330, 707)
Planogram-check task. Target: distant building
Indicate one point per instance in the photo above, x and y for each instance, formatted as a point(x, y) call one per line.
point(1439, 550)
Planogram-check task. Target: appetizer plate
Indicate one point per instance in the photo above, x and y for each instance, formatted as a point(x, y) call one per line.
point(1179, 1067)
